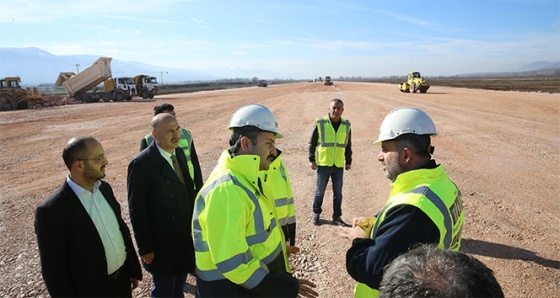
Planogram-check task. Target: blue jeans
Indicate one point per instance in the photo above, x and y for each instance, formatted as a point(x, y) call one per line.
point(166, 285)
point(323, 175)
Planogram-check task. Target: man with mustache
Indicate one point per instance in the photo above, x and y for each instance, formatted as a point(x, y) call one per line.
point(161, 196)
point(85, 246)
point(330, 153)
point(186, 143)
point(239, 244)
point(424, 206)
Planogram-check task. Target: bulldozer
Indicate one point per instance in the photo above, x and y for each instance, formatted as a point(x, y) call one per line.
point(414, 83)
point(328, 81)
point(13, 96)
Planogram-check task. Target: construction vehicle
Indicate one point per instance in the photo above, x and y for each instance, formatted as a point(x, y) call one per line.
point(79, 85)
point(13, 96)
point(414, 83)
point(328, 81)
point(263, 83)
point(146, 86)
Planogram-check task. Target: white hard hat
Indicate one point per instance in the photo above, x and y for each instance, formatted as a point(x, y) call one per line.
point(405, 120)
point(257, 116)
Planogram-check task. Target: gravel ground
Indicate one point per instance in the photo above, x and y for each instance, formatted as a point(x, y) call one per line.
point(501, 148)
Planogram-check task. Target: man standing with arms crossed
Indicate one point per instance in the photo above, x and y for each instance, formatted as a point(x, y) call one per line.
point(240, 250)
point(161, 196)
point(330, 152)
point(424, 205)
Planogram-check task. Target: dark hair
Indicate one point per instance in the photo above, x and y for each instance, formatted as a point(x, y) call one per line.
point(337, 100)
point(420, 144)
point(75, 149)
point(251, 132)
point(427, 271)
point(163, 107)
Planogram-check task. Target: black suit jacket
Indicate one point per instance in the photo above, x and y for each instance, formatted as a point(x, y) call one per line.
point(161, 209)
point(73, 259)
point(194, 159)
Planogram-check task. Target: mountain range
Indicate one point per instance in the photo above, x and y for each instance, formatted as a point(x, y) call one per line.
point(35, 67)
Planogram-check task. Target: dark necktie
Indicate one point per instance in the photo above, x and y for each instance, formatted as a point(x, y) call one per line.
point(177, 169)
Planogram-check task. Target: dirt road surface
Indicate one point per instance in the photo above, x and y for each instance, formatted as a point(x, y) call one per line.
point(501, 148)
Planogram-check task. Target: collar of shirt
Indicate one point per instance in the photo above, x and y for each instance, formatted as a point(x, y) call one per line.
point(78, 190)
point(165, 155)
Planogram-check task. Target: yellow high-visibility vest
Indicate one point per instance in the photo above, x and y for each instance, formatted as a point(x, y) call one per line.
point(437, 196)
point(235, 229)
point(331, 144)
point(277, 187)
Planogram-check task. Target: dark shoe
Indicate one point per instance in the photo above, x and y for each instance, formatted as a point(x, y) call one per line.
point(339, 222)
point(316, 219)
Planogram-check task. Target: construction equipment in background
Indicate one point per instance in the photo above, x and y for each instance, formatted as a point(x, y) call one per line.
point(414, 83)
point(328, 81)
point(146, 86)
point(78, 85)
point(13, 96)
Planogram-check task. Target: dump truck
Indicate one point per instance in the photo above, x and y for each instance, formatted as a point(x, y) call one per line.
point(146, 86)
point(13, 96)
point(328, 81)
point(79, 85)
point(414, 83)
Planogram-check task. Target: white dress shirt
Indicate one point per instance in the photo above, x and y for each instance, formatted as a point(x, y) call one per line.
point(105, 222)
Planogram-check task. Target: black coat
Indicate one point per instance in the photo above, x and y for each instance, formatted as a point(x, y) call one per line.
point(73, 259)
point(161, 209)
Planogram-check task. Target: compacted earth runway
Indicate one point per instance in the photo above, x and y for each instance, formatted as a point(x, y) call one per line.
point(501, 148)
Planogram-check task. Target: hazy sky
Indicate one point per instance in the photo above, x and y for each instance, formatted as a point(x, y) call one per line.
point(337, 38)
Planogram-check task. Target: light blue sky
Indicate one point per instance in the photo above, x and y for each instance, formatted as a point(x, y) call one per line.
point(312, 38)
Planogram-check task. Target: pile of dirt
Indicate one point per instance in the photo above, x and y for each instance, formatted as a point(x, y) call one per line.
point(51, 101)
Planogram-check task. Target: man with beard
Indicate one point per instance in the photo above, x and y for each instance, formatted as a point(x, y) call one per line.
point(424, 205)
point(240, 247)
point(161, 196)
point(84, 244)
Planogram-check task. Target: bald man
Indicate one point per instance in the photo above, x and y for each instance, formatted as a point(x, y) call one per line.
point(161, 197)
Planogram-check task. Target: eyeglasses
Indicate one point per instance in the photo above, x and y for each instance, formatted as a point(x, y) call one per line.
point(97, 159)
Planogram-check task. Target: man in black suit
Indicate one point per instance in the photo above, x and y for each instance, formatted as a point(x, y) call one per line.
point(160, 201)
point(186, 143)
point(84, 244)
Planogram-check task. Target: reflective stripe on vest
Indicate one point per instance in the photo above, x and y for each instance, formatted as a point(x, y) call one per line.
point(446, 231)
point(185, 143)
point(331, 145)
point(260, 236)
point(284, 203)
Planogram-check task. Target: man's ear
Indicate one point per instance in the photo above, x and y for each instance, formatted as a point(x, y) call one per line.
point(78, 165)
point(406, 155)
point(245, 142)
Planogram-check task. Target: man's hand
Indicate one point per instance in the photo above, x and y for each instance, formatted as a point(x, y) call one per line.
point(353, 233)
point(313, 165)
point(148, 258)
point(134, 282)
point(348, 167)
point(305, 289)
point(292, 249)
point(366, 223)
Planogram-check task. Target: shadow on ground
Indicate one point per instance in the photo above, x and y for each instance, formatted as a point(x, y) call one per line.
point(496, 250)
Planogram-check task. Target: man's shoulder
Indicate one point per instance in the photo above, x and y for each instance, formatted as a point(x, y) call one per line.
point(56, 197)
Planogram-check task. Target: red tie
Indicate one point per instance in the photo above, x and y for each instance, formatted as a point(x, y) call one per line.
point(177, 169)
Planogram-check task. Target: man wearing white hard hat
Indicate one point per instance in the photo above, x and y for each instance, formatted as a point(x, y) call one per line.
point(424, 205)
point(239, 245)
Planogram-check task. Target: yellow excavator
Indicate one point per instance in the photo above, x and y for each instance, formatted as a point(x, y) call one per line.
point(13, 96)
